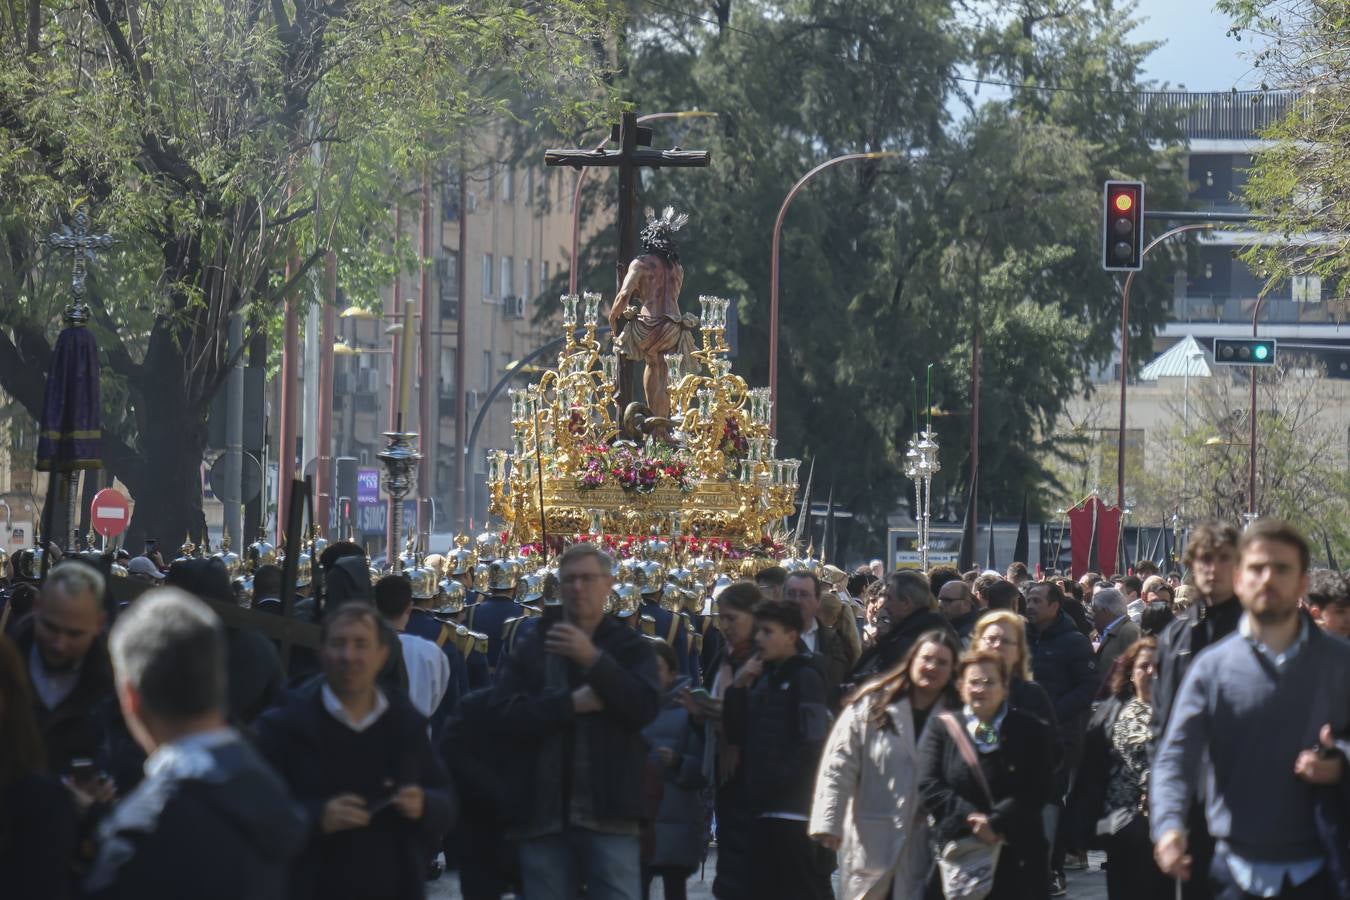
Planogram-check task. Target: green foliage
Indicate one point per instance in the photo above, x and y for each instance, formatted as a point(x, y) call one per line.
point(1301, 184)
point(988, 221)
point(218, 139)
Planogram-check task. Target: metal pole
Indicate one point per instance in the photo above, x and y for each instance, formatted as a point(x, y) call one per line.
point(395, 367)
point(426, 392)
point(323, 451)
point(461, 350)
point(773, 270)
point(1125, 350)
point(290, 352)
point(1251, 415)
point(234, 435)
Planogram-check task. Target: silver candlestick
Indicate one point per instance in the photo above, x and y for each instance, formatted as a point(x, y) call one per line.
point(400, 462)
point(921, 464)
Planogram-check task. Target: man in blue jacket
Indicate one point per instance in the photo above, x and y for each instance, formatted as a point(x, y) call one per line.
point(1254, 733)
point(1064, 664)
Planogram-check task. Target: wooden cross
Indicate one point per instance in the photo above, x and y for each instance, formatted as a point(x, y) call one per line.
point(628, 159)
point(82, 245)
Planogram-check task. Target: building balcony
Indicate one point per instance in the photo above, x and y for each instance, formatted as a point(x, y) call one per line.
point(1222, 115)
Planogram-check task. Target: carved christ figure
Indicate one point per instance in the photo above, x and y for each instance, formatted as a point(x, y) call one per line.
point(646, 314)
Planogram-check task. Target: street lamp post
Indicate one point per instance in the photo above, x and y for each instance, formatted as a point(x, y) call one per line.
point(581, 179)
point(773, 268)
point(1125, 351)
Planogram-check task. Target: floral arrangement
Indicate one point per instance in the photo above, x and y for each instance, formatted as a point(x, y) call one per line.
point(733, 443)
point(576, 422)
point(630, 469)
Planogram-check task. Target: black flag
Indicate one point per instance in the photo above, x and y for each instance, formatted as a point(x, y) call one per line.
point(965, 558)
point(989, 562)
point(1022, 546)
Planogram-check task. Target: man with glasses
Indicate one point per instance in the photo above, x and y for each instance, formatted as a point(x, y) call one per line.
point(906, 612)
point(578, 692)
point(958, 608)
point(804, 589)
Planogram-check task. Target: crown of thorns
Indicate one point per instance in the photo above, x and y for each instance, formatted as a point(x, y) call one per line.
point(659, 234)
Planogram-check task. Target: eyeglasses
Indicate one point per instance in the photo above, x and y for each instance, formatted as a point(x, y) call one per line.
point(882, 618)
point(991, 640)
point(581, 578)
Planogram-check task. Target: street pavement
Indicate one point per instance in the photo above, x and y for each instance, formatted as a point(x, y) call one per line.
point(1089, 885)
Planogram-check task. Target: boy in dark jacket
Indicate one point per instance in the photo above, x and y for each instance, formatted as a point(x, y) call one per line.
point(782, 721)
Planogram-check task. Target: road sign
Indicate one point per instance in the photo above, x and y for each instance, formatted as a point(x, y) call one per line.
point(251, 480)
point(109, 514)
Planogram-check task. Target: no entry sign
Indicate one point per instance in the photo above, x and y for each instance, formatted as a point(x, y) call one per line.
point(109, 514)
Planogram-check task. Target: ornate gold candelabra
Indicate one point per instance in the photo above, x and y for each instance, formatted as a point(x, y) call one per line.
point(579, 466)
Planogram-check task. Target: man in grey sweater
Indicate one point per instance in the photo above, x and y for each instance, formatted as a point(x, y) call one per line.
point(1247, 714)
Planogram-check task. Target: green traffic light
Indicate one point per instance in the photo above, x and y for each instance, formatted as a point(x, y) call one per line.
point(1261, 351)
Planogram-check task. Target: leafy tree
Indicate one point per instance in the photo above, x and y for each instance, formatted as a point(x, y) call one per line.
point(219, 139)
point(1301, 473)
point(987, 223)
point(1300, 185)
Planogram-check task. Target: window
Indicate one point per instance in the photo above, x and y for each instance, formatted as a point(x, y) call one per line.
point(487, 274)
point(447, 276)
point(527, 284)
point(491, 181)
point(487, 369)
point(529, 186)
point(1307, 289)
point(543, 276)
point(508, 282)
point(508, 184)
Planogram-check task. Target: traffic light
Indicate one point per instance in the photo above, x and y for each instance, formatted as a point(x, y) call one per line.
point(1123, 226)
point(1244, 351)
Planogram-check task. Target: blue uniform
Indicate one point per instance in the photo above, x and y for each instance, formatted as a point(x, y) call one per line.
point(670, 627)
point(423, 624)
point(487, 617)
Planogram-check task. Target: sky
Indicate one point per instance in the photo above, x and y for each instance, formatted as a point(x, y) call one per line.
point(1198, 52)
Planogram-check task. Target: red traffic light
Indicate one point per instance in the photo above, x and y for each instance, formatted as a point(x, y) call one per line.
point(1123, 226)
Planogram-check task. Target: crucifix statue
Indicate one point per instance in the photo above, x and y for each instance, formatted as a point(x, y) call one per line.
point(628, 159)
point(82, 245)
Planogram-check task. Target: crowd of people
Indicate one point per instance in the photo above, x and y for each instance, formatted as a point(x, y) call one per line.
point(899, 734)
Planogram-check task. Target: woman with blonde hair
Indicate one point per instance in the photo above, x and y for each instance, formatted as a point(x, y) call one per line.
point(866, 803)
point(1004, 632)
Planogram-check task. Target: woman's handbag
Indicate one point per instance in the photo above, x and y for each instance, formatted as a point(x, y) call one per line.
point(967, 865)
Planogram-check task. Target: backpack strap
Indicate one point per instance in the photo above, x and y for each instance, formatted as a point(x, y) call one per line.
point(967, 749)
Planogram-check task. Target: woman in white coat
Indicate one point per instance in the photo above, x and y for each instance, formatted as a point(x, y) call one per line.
point(866, 803)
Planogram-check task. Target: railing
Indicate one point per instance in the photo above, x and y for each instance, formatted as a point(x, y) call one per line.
point(1241, 115)
point(1223, 309)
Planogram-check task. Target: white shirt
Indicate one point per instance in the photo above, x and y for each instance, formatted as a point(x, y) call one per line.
point(51, 687)
point(1135, 610)
point(339, 712)
point(810, 636)
point(428, 672)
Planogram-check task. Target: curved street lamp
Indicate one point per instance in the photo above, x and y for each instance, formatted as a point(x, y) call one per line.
point(773, 268)
point(581, 179)
point(1125, 351)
